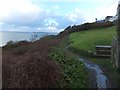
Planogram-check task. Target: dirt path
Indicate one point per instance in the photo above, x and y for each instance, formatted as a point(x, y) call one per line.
point(96, 75)
point(97, 78)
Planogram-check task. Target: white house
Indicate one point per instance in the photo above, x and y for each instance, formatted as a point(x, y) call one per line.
point(111, 18)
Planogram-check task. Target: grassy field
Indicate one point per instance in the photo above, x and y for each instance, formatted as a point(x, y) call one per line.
point(83, 43)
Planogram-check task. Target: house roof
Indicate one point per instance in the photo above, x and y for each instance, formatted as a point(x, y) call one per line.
point(108, 17)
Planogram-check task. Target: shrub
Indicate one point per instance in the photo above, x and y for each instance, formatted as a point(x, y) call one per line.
point(73, 71)
point(10, 43)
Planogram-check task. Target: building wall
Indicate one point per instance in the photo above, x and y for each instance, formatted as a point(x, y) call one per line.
point(115, 51)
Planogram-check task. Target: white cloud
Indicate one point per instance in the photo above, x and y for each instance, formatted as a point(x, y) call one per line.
point(55, 7)
point(24, 15)
point(50, 22)
point(49, 29)
point(104, 11)
point(100, 12)
point(76, 16)
point(73, 17)
point(11, 10)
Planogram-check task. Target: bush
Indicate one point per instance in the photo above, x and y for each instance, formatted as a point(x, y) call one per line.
point(10, 43)
point(13, 44)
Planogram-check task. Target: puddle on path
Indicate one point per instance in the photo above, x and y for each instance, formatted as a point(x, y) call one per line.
point(101, 79)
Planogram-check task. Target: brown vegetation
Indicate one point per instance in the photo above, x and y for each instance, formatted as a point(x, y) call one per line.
point(85, 26)
point(27, 65)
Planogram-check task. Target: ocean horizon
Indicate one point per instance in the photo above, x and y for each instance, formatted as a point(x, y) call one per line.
point(7, 36)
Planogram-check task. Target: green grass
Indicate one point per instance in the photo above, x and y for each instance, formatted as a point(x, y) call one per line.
point(85, 41)
point(73, 72)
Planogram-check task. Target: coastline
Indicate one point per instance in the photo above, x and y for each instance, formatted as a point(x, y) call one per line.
point(22, 36)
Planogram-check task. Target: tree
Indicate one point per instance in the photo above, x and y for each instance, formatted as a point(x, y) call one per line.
point(96, 19)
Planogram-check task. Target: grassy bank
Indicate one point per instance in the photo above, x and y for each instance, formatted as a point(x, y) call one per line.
point(73, 72)
point(83, 43)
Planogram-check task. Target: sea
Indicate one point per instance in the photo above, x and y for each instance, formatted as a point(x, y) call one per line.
point(6, 36)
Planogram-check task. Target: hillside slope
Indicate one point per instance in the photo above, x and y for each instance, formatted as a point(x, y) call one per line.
point(27, 65)
point(85, 41)
point(45, 63)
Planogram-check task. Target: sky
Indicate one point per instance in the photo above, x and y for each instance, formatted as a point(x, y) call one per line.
point(52, 15)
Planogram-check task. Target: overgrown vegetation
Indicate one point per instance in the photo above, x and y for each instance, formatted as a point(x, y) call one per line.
point(73, 72)
point(13, 44)
point(28, 65)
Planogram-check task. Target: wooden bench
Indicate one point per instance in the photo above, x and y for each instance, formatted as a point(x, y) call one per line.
point(103, 51)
